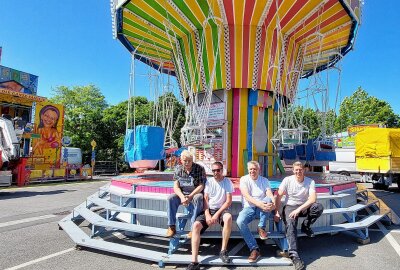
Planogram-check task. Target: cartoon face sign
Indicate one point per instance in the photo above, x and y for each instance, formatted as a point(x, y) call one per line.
point(49, 118)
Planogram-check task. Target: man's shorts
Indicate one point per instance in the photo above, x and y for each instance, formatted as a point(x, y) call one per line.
point(202, 218)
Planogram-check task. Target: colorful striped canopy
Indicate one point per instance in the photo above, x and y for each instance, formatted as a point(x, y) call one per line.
point(224, 44)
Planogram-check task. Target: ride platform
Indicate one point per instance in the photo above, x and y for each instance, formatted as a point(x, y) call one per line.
point(128, 217)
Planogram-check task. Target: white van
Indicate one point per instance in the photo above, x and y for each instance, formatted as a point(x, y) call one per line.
point(345, 163)
point(74, 155)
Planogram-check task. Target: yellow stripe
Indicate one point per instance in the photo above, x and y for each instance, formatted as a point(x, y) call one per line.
point(257, 12)
point(133, 18)
point(327, 47)
point(282, 10)
point(270, 133)
point(276, 63)
point(265, 60)
point(172, 13)
point(242, 128)
point(255, 117)
point(146, 35)
point(238, 56)
point(192, 69)
point(196, 10)
point(238, 10)
point(325, 16)
point(157, 16)
point(145, 48)
point(342, 34)
point(290, 51)
point(136, 42)
point(331, 39)
point(305, 10)
point(222, 59)
point(209, 51)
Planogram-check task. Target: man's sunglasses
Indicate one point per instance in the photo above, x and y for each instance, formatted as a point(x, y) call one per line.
point(216, 170)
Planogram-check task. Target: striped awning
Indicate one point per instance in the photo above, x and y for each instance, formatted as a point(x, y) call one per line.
point(259, 44)
point(14, 97)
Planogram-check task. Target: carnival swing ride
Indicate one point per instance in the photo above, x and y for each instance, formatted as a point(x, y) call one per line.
point(238, 66)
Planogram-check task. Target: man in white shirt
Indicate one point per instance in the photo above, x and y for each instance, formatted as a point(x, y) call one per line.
point(300, 202)
point(258, 201)
point(217, 200)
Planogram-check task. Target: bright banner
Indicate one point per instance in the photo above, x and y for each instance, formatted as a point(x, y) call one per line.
point(49, 123)
point(18, 81)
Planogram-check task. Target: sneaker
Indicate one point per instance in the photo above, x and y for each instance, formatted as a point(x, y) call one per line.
point(189, 235)
point(262, 233)
point(298, 264)
point(223, 255)
point(254, 256)
point(307, 230)
point(171, 231)
point(193, 266)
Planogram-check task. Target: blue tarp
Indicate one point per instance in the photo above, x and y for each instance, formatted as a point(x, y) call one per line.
point(128, 142)
point(308, 152)
point(146, 143)
point(178, 152)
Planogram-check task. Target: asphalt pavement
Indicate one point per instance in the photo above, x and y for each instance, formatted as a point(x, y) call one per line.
point(30, 237)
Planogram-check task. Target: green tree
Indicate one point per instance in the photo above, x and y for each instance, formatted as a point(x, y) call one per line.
point(314, 121)
point(115, 123)
point(84, 106)
point(361, 108)
point(88, 117)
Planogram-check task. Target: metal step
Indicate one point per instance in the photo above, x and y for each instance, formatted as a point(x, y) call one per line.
point(362, 224)
point(145, 212)
point(332, 196)
point(218, 234)
point(97, 220)
point(145, 196)
point(350, 209)
point(82, 239)
point(235, 260)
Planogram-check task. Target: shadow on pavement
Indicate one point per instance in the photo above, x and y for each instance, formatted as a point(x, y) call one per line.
point(339, 245)
point(390, 197)
point(5, 195)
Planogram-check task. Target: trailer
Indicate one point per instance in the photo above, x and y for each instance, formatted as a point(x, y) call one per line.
point(9, 150)
point(377, 153)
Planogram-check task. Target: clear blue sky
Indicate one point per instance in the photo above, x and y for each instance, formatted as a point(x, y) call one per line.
point(70, 43)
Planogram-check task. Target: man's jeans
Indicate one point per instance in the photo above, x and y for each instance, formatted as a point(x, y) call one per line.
point(173, 203)
point(311, 214)
point(247, 215)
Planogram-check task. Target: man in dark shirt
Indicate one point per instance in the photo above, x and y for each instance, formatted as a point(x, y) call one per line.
point(189, 180)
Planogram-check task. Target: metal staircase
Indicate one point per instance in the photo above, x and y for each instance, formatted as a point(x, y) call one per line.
point(101, 213)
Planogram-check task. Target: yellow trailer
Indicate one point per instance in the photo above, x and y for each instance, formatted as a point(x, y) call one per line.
point(378, 155)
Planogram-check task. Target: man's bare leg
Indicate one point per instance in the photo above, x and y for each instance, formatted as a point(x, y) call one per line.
point(196, 240)
point(226, 231)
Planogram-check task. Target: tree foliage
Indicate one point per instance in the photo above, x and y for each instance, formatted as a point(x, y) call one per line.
point(360, 108)
point(88, 117)
point(314, 121)
point(178, 119)
point(84, 106)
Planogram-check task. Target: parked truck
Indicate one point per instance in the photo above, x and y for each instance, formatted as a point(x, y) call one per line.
point(377, 153)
